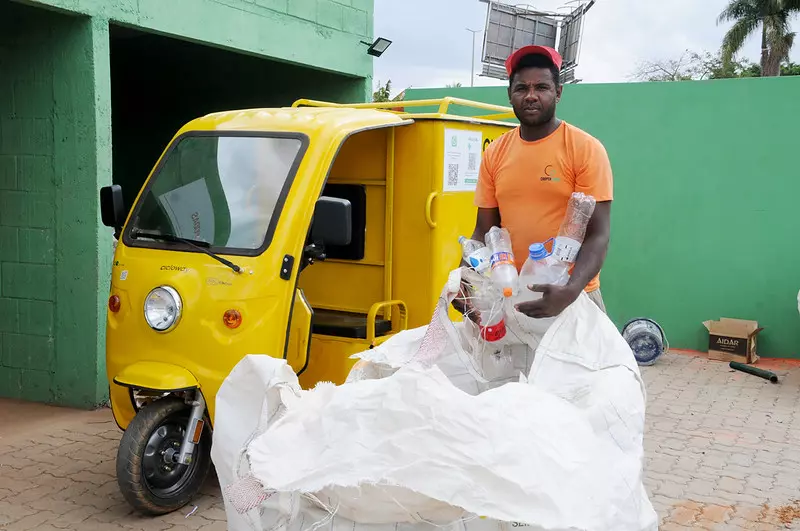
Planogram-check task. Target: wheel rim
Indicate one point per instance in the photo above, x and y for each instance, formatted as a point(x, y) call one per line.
point(163, 476)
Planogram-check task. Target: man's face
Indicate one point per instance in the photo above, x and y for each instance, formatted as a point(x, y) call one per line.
point(533, 95)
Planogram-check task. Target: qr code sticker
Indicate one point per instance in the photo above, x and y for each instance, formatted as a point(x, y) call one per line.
point(472, 162)
point(452, 174)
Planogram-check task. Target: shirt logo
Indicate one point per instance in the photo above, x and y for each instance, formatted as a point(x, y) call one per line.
point(550, 174)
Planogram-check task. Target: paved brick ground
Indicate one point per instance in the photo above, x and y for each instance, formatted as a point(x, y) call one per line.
point(722, 446)
point(57, 472)
point(722, 453)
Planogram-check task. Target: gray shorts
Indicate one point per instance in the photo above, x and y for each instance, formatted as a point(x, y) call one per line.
point(597, 298)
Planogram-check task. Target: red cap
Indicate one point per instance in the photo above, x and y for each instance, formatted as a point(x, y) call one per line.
point(514, 59)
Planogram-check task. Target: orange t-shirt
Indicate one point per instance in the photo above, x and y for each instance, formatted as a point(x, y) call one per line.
point(531, 182)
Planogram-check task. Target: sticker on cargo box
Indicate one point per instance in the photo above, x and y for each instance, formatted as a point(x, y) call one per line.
point(462, 160)
point(124, 275)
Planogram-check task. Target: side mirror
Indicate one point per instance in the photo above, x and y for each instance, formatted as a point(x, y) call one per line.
point(112, 206)
point(333, 221)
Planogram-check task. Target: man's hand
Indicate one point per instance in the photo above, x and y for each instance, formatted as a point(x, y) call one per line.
point(555, 300)
point(463, 306)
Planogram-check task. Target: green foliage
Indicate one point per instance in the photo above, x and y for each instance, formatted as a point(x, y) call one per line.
point(697, 66)
point(772, 17)
point(383, 93)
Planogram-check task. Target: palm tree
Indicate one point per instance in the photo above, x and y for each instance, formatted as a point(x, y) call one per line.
point(776, 35)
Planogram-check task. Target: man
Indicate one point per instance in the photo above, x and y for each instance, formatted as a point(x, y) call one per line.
point(528, 174)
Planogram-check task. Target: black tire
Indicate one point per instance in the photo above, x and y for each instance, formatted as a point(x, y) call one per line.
point(149, 484)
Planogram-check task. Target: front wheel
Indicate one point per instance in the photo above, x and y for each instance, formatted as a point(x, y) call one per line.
point(148, 476)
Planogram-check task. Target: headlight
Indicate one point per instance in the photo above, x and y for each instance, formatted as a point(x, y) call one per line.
point(162, 308)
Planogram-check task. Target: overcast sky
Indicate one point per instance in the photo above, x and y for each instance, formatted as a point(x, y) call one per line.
point(431, 46)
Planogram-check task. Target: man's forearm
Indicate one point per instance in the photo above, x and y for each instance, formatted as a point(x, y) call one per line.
point(589, 262)
point(594, 248)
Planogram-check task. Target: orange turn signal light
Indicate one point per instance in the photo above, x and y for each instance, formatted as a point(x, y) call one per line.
point(232, 319)
point(114, 303)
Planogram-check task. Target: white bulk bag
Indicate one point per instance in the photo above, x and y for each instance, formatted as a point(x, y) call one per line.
point(422, 436)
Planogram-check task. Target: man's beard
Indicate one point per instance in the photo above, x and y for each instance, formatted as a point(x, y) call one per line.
point(545, 115)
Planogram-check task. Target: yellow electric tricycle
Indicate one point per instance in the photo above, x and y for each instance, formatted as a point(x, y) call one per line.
point(309, 233)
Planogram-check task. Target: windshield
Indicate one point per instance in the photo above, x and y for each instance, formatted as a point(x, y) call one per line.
point(223, 190)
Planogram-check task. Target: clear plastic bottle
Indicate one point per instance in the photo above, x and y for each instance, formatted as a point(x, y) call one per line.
point(490, 308)
point(540, 267)
point(504, 272)
point(476, 254)
point(573, 228)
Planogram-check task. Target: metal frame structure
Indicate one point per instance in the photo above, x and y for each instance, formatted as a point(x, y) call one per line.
point(442, 106)
point(525, 28)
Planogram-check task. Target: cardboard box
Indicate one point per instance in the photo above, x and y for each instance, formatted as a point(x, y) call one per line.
point(732, 340)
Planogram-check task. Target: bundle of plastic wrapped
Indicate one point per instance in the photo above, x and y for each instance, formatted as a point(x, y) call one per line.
point(423, 435)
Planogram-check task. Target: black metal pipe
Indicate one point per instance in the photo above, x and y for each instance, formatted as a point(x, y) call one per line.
point(767, 375)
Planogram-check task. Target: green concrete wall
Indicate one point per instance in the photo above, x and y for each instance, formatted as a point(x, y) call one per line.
point(56, 145)
point(323, 34)
point(50, 165)
point(705, 220)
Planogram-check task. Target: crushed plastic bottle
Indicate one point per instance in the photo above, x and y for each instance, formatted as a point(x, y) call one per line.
point(476, 254)
point(573, 228)
point(490, 308)
point(504, 272)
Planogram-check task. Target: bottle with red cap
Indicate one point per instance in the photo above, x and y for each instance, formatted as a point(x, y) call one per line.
point(491, 311)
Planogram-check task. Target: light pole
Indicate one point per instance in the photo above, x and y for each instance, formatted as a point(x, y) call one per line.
point(472, 76)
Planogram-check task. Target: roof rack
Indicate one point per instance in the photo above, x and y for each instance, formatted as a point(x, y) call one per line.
point(399, 107)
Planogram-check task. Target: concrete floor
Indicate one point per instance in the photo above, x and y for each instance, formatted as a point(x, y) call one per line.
point(722, 453)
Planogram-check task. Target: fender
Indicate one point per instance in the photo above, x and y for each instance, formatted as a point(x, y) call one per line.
point(156, 376)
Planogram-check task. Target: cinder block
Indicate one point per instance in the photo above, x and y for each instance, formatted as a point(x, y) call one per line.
point(355, 21)
point(26, 136)
point(9, 315)
point(36, 174)
point(41, 210)
point(36, 317)
point(364, 5)
point(330, 14)
point(282, 6)
point(8, 172)
point(306, 9)
point(37, 246)
point(27, 209)
point(10, 380)
point(9, 244)
point(34, 98)
point(22, 351)
point(28, 281)
point(36, 386)
point(7, 101)
point(12, 208)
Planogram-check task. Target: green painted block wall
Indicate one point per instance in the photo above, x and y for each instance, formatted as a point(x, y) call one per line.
point(323, 34)
point(705, 219)
point(49, 162)
point(56, 107)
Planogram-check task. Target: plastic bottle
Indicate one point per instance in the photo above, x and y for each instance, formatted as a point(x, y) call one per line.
point(573, 228)
point(540, 267)
point(492, 315)
point(504, 272)
point(476, 254)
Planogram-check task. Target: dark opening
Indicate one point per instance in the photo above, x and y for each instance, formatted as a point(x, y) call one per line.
point(357, 195)
point(159, 83)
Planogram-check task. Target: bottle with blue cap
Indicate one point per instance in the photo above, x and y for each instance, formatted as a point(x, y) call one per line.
point(476, 254)
point(541, 267)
